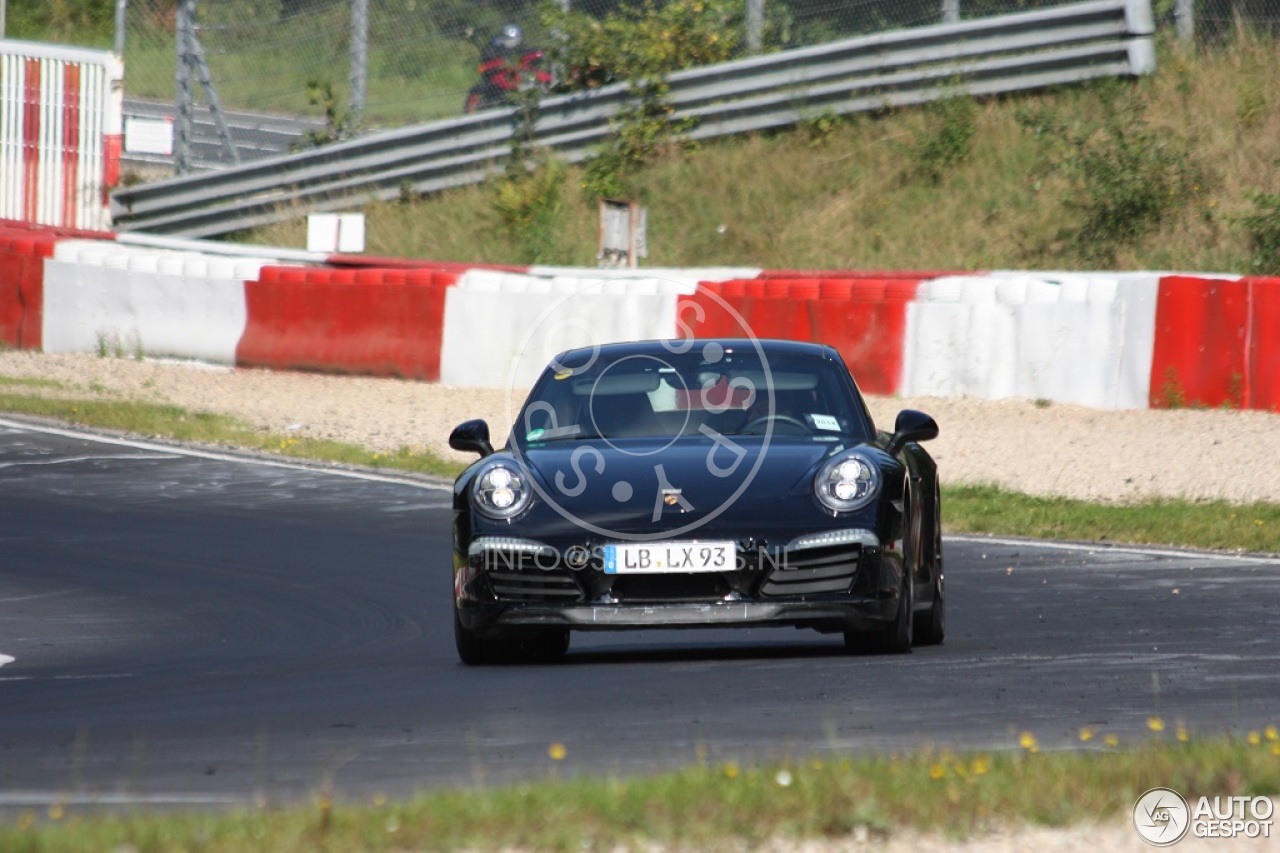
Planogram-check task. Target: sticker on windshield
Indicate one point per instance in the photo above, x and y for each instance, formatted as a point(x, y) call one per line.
point(825, 422)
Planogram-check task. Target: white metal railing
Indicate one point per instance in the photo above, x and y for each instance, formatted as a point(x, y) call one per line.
point(60, 134)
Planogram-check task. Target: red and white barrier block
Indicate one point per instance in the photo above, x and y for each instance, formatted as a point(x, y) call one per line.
point(1106, 340)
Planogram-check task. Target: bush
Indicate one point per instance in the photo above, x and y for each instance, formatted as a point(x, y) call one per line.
point(528, 205)
point(633, 43)
point(641, 46)
point(1263, 226)
point(1123, 177)
point(947, 138)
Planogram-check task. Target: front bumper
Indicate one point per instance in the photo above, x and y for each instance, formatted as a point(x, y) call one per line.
point(850, 583)
point(822, 616)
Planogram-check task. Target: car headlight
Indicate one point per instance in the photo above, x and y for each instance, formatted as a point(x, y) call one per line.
point(847, 482)
point(501, 490)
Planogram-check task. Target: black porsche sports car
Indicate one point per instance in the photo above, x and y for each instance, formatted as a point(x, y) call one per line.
point(696, 483)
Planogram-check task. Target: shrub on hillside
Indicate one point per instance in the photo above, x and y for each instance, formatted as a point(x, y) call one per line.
point(1263, 226)
point(639, 45)
point(1124, 177)
point(947, 137)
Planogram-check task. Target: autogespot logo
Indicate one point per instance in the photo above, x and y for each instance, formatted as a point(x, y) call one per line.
point(1161, 817)
point(559, 328)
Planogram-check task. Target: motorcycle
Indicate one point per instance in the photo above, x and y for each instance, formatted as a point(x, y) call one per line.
point(504, 73)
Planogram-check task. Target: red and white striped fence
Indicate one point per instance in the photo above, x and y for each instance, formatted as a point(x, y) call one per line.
point(60, 134)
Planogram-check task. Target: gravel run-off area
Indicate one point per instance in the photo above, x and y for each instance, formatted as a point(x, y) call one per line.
point(1035, 448)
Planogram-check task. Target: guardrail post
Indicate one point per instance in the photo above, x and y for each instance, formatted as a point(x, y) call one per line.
point(950, 11)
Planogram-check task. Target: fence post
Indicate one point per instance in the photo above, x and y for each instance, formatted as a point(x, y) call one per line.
point(184, 94)
point(950, 11)
point(1184, 13)
point(755, 25)
point(121, 7)
point(359, 59)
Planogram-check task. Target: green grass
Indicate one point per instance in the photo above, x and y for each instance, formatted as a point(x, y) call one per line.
point(22, 382)
point(412, 81)
point(719, 806)
point(178, 424)
point(1197, 524)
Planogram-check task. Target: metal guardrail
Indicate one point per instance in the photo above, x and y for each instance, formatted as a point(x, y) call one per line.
point(256, 136)
point(1010, 53)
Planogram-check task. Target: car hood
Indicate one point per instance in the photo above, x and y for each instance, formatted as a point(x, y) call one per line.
point(619, 486)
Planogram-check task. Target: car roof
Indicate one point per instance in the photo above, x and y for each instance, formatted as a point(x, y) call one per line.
point(769, 346)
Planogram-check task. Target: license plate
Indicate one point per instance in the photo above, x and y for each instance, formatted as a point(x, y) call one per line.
point(669, 558)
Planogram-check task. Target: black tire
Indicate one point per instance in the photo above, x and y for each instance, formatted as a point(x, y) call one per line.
point(474, 650)
point(548, 648)
point(931, 625)
point(894, 638)
point(898, 635)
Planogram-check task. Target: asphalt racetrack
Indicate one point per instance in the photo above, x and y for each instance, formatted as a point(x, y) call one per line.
point(201, 630)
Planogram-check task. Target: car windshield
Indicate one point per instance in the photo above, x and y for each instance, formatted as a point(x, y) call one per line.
point(705, 391)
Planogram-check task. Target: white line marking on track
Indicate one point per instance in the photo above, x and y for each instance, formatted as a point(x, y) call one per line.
point(416, 507)
point(40, 798)
point(1117, 549)
point(132, 456)
point(106, 676)
point(13, 598)
point(222, 457)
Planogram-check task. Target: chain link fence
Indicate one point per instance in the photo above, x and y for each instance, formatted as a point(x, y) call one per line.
point(421, 57)
point(418, 58)
point(350, 64)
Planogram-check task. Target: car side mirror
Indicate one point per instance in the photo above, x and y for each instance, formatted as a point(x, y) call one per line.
point(911, 426)
point(471, 437)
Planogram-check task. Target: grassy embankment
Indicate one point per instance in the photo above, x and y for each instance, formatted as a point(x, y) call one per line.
point(1162, 173)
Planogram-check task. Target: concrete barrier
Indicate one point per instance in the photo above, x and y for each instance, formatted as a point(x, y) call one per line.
point(1066, 337)
point(1105, 340)
point(104, 297)
point(379, 322)
point(22, 258)
point(501, 329)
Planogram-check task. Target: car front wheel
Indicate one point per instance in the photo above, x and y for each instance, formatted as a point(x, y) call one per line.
point(931, 624)
point(474, 650)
